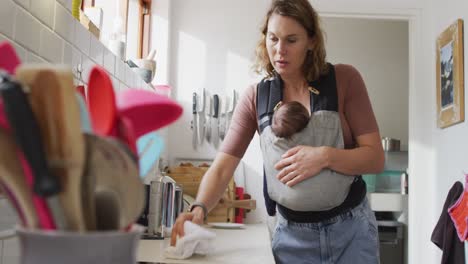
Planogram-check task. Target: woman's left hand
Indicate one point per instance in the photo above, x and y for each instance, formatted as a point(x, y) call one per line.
point(300, 163)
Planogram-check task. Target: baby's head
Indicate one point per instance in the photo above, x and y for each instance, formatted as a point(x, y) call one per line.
point(289, 118)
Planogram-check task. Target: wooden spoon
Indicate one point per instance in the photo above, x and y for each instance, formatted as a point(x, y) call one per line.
point(54, 103)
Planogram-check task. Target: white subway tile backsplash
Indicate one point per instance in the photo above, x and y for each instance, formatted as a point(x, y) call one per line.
point(67, 57)
point(120, 69)
point(88, 64)
point(33, 58)
point(66, 3)
point(21, 52)
point(96, 51)
point(64, 23)
point(128, 76)
point(109, 61)
point(27, 30)
point(76, 57)
point(24, 3)
point(7, 15)
point(115, 84)
point(51, 46)
point(82, 38)
point(44, 10)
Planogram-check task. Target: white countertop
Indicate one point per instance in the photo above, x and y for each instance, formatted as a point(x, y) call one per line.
point(248, 245)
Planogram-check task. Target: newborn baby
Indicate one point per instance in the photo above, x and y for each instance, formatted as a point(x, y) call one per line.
point(289, 118)
point(293, 126)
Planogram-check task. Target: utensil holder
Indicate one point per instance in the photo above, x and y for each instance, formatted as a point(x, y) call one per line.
point(54, 247)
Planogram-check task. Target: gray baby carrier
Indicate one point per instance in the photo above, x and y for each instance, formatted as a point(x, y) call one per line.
point(324, 191)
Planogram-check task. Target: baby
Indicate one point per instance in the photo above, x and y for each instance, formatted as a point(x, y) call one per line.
point(289, 118)
point(293, 126)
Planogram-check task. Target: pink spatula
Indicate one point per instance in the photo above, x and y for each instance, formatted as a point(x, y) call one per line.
point(8, 58)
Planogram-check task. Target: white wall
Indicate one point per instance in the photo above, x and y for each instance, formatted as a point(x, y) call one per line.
point(379, 50)
point(212, 48)
point(447, 144)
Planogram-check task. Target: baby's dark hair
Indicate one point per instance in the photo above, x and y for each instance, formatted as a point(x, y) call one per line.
point(289, 118)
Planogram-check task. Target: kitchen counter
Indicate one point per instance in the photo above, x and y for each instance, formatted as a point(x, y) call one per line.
point(248, 245)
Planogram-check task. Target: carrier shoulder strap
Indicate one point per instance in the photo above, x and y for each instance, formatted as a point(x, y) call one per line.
point(270, 92)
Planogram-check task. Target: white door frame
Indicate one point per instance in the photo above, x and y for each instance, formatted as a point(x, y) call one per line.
point(414, 18)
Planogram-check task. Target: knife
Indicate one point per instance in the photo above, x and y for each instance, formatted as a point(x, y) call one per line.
point(223, 119)
point(231, 110)
point(208, 122)
point(216, 120)
point(194, 121)
point(201, 117)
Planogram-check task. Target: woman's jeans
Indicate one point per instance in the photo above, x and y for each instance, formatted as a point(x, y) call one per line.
point(351, 237)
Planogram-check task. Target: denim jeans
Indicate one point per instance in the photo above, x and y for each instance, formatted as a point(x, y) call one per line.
point(351, 237)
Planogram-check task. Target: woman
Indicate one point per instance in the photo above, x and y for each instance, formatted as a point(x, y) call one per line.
point(291, 52)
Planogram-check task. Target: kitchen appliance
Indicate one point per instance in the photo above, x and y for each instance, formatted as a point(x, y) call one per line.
point(165, 204)
point(391, 242)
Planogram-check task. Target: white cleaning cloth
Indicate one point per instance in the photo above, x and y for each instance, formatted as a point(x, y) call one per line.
point(197, 240)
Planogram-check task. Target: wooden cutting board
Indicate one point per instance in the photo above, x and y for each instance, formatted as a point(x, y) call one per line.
point(189, 177)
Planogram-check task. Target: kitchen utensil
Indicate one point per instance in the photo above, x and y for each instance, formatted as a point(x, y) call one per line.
point(165, 204)
point(194, 122)
point(101, 102)
point(229, 114)
point(82, 92)
point(54, 103)
point(215, 127)
point(9, 60)
point(88, 185)
point(147, 111)
point(156, 212)
point(149, 148)
point(223, 119)
point(85, 120)
point(40, 207)
point(209, 121)
point(14, 183)
point(103, 110)
point(390, 144)
point(119, 193)
point(26, 133)
point(201, 117)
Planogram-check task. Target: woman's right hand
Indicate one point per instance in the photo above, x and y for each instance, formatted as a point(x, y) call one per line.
point(196, 216)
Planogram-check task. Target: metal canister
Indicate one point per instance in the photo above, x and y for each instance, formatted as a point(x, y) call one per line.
point(390, 144)
point(155, 209)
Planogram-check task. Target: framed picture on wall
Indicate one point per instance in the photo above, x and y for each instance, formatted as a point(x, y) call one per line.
point(449, 72)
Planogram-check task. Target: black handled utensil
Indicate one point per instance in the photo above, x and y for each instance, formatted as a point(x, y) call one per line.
point(27, 135)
